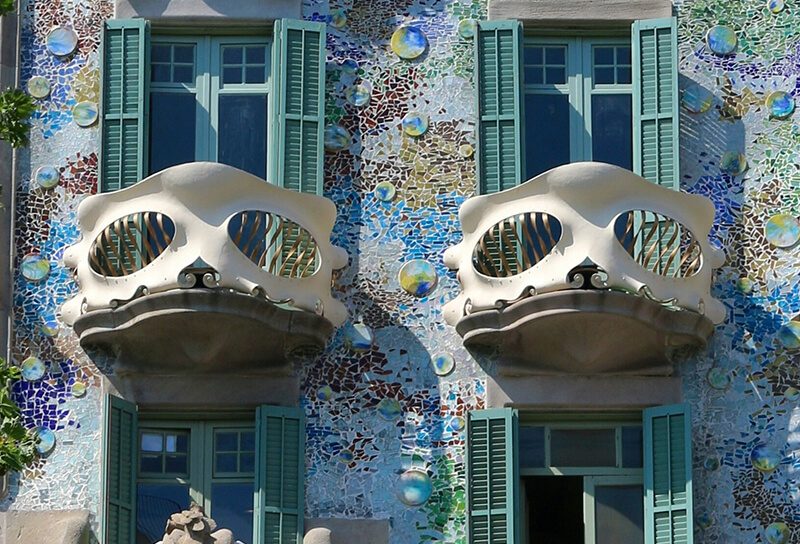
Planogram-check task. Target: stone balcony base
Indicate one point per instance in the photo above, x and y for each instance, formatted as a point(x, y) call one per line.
point(585, 332)
point(201, 331)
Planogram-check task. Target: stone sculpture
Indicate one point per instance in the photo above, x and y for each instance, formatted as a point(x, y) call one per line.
point(193, 527)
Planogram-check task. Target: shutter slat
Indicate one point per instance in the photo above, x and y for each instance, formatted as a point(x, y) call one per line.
point(124, 80)
point(492, 476)
point(497, 79)
point(120, 471)
point(300, 106)
point(280, 474)
point(668, 475)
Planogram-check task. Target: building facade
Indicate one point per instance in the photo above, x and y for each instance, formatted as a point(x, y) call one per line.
point(399, 338)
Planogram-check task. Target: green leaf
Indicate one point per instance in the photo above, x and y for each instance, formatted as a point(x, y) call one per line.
point(16, 107)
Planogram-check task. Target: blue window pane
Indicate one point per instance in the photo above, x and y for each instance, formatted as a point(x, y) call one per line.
point(254, 74)
point(242, 132)
point(233, 508)
point(533, 75)
point(155, 503)
point(152, 442)
point(604, 76)
point(160, 53)
point(623, 55)
point(247, 462)
point(232, 55)
point(612, 127)
point(248, 439)
point(232, 75)
point(604, 55)
point(256, 55)
point(150, 463)
point(183, 74)
point(226, 441)
point(225, 462)
point(160, 73)
point(534, 55)
point(632, 454)
point(183, 53)
point(555, 55)
point(172, 129)
point(555, 76)
point(546, 132)
point(531, 447)
point(176, 464)
point(624, 74)
point(619, 514)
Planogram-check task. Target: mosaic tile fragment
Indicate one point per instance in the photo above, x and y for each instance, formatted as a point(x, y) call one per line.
point(696, 99)
point(789, 335)
point(358, 337)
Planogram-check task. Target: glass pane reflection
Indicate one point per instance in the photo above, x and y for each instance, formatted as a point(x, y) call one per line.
point(619, 514)
point(243, 132)
point(546, 149)
point(172, 129)
point(232, 505)
point(155, 503)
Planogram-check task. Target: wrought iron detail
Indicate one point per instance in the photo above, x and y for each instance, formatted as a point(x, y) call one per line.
point(516, 244)
point(130, 243)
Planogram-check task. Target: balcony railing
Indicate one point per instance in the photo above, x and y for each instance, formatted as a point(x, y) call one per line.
point(202, 227)
point(578, 228)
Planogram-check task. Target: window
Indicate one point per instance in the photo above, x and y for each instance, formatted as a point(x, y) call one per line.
point(580, 89)
point(209, 463)
point(209, 101)
point(579, 480)
point(255, 102)
point(549, 100)
point(247, 473)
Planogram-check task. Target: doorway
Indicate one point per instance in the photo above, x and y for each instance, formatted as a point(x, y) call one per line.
point(554, 509)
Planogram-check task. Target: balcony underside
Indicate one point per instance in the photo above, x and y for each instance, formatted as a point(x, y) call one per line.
point(585, 332)
point(205, 331)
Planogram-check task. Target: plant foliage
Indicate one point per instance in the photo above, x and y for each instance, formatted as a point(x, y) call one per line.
point(17, 444)
point(6, 7)
point(15, 109)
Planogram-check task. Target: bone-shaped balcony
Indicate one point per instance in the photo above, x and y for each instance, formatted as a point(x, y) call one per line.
point(587, 268)
point(204, 267)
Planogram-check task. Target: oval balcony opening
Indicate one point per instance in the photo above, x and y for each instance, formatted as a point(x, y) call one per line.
point(130, 243)
point(276, 244)
point(659, 244)
point(516, 244)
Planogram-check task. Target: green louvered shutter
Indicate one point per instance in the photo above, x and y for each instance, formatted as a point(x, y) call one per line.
point(492, 476)
point(655, 119)
point(299, 94)
point(124, 149)
point(668, 475)
point(119, 455)
point(280, 471)
point(498, 47)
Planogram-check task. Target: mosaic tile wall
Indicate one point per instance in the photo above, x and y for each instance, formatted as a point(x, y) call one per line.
point(386, 403)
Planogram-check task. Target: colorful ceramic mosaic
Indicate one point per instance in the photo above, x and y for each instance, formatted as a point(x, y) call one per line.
point(386, 402)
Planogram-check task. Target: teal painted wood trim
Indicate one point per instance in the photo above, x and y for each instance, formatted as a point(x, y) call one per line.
point(300, 105)
point(124, 100)
point(655, 101)
point(280, 460)
point(500, 162)
point(668, 475)
point(492, 456)
point(118, 521)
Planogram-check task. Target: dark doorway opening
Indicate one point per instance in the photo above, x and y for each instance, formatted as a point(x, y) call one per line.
point(554, 509)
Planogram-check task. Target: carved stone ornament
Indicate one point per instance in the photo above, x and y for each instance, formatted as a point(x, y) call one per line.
point(193, 527)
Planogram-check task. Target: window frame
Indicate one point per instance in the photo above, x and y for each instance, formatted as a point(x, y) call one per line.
point(592, 422)
point(208, 87)
point(200, 456)
point(579, 87)
point(589, 499)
